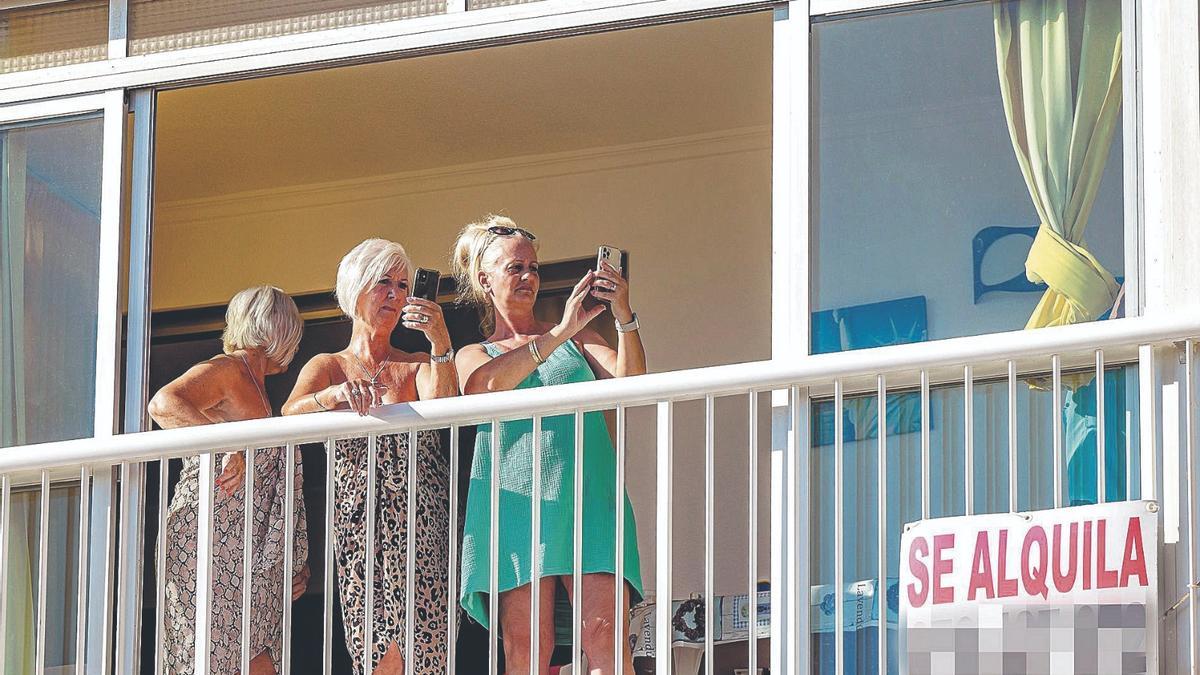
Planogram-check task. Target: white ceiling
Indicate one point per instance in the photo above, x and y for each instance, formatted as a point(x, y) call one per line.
point(485, 104)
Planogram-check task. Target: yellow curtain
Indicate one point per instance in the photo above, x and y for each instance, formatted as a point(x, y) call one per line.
point(1061, 121)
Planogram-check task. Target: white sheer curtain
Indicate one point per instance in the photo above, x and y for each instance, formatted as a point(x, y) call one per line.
point(19, 629)
point(49, 240)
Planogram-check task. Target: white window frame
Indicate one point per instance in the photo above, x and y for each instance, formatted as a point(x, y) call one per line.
point(1134, 187)
point(111, 106)
point(52, 91)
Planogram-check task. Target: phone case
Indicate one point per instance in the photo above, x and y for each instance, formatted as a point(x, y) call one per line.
point(425, 285)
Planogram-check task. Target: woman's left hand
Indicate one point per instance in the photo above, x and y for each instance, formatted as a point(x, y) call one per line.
point(300, 582)
point(233, 474)
point(426, 316)
point(613, 288)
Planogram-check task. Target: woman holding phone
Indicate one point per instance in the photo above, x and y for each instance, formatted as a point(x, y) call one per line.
point(373, 282)
point(496, 267)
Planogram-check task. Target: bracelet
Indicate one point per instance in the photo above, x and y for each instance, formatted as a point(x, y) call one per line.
point(318, 402)
point(533, 351)
point(628, 327)
point(444, 358)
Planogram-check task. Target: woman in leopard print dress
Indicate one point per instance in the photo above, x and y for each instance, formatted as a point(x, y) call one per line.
point(372, 289)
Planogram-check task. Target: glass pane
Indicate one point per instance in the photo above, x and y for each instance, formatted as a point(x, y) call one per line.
point(49, 247)
point(924, 220)
point(53, 35)
point(947, 451)
point(62, 573)
point(164, 25)
point(1121, 434)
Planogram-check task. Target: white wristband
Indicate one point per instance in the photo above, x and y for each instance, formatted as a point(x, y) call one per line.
point(628, 327)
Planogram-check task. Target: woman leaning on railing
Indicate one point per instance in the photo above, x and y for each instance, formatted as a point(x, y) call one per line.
point(373, 283)
point(262, 332)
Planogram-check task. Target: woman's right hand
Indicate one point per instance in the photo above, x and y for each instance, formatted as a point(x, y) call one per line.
point(360, 394)
point(575, 314)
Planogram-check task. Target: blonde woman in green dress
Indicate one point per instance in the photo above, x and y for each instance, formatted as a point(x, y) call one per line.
point(496, 265)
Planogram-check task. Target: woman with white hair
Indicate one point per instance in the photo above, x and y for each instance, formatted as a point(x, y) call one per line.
point(496, 265)
point(262, 331)
point(373, 282)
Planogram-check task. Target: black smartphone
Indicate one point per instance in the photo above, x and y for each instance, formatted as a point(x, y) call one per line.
point(425, 284)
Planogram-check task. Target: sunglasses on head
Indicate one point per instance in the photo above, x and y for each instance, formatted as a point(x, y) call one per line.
point(502, 231)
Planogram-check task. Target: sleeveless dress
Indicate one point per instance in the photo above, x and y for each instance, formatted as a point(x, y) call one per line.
point(267, 574)
point(564, 365)
point(391, 547)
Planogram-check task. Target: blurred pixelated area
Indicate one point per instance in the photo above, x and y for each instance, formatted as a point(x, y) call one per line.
point(995, 639)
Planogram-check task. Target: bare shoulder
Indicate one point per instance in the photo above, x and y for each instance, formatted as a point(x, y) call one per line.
point(323, 364)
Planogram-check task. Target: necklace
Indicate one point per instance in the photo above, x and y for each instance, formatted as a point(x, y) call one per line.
point(373, 378)
point(262, 395)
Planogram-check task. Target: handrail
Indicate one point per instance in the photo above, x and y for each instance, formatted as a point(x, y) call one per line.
point(631, 391)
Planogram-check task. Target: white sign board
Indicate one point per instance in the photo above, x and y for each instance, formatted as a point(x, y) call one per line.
point(1070, 590)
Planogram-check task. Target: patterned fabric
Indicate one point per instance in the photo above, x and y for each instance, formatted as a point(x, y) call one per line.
point(390, 542)
point(565, 364)
point(266, 572)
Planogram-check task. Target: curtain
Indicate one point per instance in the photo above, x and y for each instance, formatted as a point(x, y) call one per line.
point(18, 637)
point(1061, 120)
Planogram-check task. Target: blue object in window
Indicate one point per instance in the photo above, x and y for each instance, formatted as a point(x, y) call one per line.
point(877, 324)
point(984, 240)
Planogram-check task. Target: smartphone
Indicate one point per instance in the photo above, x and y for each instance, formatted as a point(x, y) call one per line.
point(425, 284)
point(611, 255)
point(607, 254)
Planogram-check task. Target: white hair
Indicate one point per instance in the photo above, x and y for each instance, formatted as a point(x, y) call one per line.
point(363, 267)
point(266, 318)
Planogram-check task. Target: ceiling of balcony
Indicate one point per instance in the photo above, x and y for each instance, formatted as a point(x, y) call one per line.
point(421, 113)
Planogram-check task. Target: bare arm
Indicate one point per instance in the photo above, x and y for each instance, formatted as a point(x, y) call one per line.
point(436, 380)
point(315, 390)
point(478, 373)
point(183, 402)
point(629, 358)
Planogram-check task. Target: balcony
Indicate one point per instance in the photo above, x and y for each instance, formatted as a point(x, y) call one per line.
point(681, 424)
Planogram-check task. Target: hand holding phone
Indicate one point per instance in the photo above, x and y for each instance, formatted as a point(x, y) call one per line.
point(610, 285)
point(425, 284)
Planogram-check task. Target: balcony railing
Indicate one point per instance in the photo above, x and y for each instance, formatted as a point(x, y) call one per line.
point(795, 386)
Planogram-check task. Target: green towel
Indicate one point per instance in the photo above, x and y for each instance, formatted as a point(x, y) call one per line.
point(566, 364)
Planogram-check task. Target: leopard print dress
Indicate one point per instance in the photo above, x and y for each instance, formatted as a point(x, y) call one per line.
point(391, 545)
point(266, 571)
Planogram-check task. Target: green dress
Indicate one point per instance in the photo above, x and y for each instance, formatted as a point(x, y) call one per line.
point(566, 364)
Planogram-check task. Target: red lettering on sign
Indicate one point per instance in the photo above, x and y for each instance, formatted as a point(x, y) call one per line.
point(981, 569)
point(1105, 578)
point(1086, 567)
point(1064, 581)
point(1033, 577)
point(1005, 587)
point(941, 567)
point(1133, 563)
point(917, 596)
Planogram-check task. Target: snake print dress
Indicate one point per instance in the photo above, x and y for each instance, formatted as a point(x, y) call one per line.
point(266, 572)
point(390, 547)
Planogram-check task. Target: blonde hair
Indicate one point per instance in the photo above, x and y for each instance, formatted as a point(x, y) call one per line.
point(263, 317)
point(466, 262)
point(363, 267)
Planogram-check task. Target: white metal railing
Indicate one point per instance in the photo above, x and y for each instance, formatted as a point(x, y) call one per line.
point(963, 361)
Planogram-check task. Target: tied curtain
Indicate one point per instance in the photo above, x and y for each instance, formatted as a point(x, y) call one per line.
point(1061, 119)
point(1059, 65)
